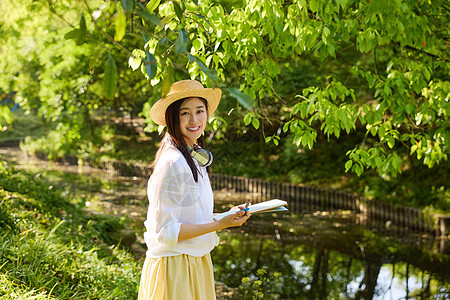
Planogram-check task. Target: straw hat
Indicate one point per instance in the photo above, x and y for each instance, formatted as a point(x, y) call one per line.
point(184, 89)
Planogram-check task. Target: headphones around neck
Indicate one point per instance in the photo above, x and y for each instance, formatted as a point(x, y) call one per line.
point(203, 157)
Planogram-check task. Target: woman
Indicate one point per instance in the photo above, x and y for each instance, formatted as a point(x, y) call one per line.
point(180, 229)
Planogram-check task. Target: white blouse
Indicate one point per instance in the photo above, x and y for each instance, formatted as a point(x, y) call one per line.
point(174, 199)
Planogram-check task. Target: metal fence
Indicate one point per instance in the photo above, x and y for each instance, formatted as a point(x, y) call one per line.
point(305, 199)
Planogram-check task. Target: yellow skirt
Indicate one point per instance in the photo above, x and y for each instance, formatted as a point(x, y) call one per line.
point(177, 277)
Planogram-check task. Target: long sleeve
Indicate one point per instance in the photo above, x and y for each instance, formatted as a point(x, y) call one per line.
point(174, 199)
point(165, 193)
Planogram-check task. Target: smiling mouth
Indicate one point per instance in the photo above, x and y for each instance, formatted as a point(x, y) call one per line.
point(193, 129)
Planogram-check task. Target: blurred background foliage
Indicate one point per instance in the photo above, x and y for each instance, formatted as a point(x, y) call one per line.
point(344, 94)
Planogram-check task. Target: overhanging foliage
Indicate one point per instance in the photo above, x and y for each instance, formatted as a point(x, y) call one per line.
point(375, 66)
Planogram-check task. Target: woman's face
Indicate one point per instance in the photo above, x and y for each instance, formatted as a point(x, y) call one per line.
point(193, 117)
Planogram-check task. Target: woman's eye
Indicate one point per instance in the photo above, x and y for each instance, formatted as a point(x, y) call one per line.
point(200, 111)
point(184, 113)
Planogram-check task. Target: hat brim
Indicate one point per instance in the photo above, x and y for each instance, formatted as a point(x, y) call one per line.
point(158, 110)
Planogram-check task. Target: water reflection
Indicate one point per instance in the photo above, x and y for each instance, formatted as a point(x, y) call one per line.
point(323, 255)
point(332, 265)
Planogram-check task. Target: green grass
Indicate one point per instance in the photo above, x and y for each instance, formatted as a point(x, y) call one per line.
point(12, 290)
point(50, 248)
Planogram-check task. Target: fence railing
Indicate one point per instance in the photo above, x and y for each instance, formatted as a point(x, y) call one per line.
point(304, 199)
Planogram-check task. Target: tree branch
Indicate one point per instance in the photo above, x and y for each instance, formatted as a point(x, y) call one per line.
point(263, 112)
point(425, 52)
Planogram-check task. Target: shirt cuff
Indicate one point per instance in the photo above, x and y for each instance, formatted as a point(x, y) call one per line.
point(170, 234)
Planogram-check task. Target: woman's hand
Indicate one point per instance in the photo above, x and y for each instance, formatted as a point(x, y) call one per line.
point(188, 231)
point(234, 220)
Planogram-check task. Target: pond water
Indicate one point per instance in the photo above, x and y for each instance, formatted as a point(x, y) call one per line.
point(324, 255)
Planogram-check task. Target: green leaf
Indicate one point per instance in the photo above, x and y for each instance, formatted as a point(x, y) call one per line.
point(184, 36)
point(181, 43)
point(348, 165)
point(145, 37)
point(310, 108)
point(331, 50)
point(389, 66)
point(120, 26)
point(248, 118)
point(180, 47)
point(357, 169)
point(210, 73)
point(427, 74)
point(390, 142)
point(110, 79)
point(178, 10)
point(82, 31)
point(244, 99)
point(149, 17)
point(378, 162)
point(128, 6)
point(134, 62)
point(370, 79)
point(168, 80)
point(72, 35)
point(381, 131)
point(297, 139)
point(136, 58)
point(296, 108)
point(197, 44)
point(255, 123)
point(152, 5)
point(215, 125)
point(305, 139)
point(310, 140)
point(285, 127)
point(150, 65)
point(314, 5)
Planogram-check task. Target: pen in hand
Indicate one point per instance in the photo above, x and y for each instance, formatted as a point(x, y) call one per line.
point(246, 206)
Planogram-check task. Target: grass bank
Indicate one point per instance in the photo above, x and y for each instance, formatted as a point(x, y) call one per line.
point(50, 248)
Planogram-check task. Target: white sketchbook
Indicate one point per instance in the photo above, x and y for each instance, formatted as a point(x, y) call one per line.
point(274, 205)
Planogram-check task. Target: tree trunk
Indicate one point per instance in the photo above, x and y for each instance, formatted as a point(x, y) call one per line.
point(369, 281)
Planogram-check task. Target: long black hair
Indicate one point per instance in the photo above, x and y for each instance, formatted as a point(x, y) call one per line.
point(174, 137)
